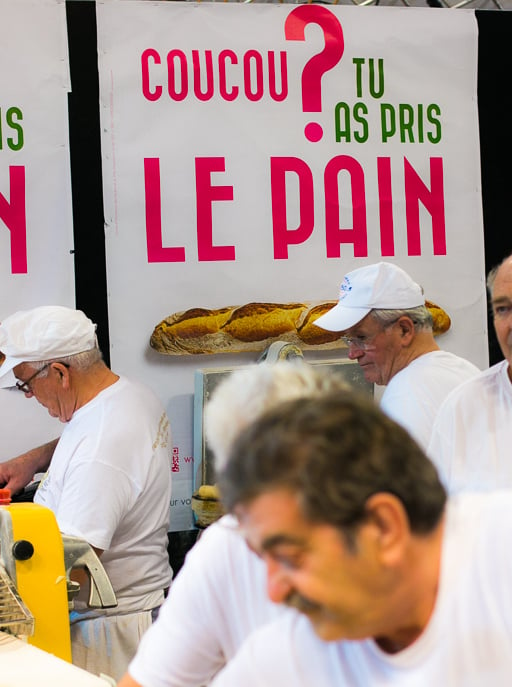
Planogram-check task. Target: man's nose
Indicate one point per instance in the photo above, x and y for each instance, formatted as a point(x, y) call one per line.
point(278, 585)
point(354, 351)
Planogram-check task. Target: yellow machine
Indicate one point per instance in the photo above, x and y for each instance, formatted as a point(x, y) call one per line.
point(35, 590)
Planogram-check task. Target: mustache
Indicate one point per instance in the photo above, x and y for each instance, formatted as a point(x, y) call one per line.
point(301, 603)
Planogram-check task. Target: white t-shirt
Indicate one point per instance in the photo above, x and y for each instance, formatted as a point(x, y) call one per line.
point(217, 599)
point(472, 434)
point(109, 483)
point(413, 396)
point(467, 642)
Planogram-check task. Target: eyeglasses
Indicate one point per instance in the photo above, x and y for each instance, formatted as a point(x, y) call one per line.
point(362, 343)
point(365, 343)
point(25, 386)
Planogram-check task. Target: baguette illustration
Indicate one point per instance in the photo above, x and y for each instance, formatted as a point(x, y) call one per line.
point(253, 327)
point(440, 318)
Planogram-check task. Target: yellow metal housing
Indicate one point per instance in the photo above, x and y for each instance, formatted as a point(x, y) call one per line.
point(41, 578)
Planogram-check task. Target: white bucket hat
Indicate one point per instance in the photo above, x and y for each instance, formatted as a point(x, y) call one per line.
point(381, 285)
point(45, 333)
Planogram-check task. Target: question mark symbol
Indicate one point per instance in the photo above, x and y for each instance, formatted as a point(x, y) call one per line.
point(315, 68)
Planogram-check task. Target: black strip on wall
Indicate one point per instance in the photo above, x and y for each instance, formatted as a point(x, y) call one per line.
point(494, 108)
point(86, 179)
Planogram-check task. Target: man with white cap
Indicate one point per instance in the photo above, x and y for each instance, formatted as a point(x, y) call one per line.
point(107, 479)
point(388, 330)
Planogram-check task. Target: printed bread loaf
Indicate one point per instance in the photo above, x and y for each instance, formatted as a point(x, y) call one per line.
point(253, 327)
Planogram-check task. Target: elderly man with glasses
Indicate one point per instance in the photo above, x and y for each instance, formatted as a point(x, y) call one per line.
point(388, 330)
point(107, 476)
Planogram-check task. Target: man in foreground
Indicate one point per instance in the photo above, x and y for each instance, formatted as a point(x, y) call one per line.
point(107, 479)
point(394, 584)
point(218, 598)
point(388, 329)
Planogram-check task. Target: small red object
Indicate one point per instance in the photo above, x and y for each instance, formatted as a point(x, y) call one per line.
point(5, 497)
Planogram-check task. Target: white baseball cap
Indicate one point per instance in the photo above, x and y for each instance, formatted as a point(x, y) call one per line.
point(45, 333)
point(381, 285)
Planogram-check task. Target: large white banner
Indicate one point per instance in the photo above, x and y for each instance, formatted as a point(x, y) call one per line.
point(36, 229)
point(258, 152)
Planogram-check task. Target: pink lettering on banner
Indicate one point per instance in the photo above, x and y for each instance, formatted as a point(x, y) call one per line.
point(208, 92)
point(334, 234)
point(225, 92)
point(253, 75)
point(181, 63)
point(156, 250)
point(13, 215)
point(206, 194)
point(415, 191)
point(149, 93)
point(203, 70)
point(284, 237)
point(433, 200)
point(387, 237)
point(318, 65)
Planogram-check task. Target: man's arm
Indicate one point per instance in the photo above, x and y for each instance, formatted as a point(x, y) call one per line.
point(18, 472)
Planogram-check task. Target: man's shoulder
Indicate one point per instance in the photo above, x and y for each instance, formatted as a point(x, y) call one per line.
point(129, 392)
point(442, 360)
point(223, 547)
point(482, 382)
point(430, 369)
point(486, 515)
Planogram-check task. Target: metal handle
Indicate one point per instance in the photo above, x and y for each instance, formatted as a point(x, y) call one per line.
point(79, 554)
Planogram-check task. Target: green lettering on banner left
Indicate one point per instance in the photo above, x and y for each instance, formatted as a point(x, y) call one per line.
point(11, 131)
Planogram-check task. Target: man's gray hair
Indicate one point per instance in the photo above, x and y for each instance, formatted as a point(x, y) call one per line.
point(247, 392)
point(79, 361)
point(421, 316)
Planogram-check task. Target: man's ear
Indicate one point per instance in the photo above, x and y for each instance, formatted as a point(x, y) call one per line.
point(62, 372)
point(390, 526)
point(406, 329)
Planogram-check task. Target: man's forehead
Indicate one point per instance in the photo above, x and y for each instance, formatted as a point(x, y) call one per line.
point(363, 325)
point(503, 280)
point(272, 512)
point(266, 541)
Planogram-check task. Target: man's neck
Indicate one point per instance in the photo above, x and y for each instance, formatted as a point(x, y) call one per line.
point(94, 382)
point(422, 344)
point(412, 607)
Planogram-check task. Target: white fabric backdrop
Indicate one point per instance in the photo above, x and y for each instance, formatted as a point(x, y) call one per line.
point(214, 247)
point(35, 209)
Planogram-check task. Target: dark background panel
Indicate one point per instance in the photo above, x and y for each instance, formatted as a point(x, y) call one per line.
point(86, 178)
point(494, 111)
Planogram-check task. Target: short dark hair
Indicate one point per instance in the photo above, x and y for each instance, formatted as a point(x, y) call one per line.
point(334, 452)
